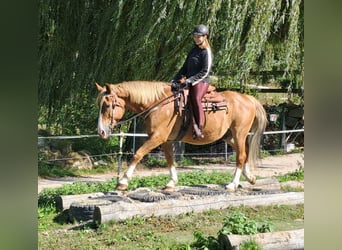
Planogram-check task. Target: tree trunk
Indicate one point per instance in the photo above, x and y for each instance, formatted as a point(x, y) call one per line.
point(283, 240)
point(123, 210)
point(64, 201)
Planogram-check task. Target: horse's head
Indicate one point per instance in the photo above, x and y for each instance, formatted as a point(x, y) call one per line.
point(112, 109)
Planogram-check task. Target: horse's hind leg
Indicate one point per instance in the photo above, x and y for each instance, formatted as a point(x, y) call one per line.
point(169, 155)
point(246, 169)
point(238, 142)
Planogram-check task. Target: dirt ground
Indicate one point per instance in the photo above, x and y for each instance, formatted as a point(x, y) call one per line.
point(268, 166)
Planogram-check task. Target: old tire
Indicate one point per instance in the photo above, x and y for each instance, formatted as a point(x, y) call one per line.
point(84, 210)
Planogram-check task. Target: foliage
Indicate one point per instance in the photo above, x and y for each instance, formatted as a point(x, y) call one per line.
point(204, 242)
point(250, 245)
point(80, 42)
point(151, 161)
point(239, 223)
point(297, 175)
point(49, 170)
point(190, 178)
point(167, 232)
point(186, 161)
point(45, 170)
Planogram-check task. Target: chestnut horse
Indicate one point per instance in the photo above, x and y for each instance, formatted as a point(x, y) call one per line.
point(154, 101)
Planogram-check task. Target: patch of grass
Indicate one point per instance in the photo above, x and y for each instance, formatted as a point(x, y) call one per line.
point(264, 154)
point(167, 232)
point(250, 245)
point(297, 175)
point(150, 161)
point(58, 171)
point(239, 223)
point(55, 171)
point(189, 178)
point(186, 161)
point(47, 197)
point(292, 189)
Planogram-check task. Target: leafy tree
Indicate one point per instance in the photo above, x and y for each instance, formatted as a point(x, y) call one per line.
point(80, 42)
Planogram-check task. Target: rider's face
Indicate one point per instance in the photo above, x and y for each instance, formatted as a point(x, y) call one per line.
point(199, 39)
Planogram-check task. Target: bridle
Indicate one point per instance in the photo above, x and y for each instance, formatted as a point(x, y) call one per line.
point(146, 112)
point(114, 104)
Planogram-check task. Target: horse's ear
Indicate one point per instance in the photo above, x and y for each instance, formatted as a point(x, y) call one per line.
point(99, 88)
point(108, 88)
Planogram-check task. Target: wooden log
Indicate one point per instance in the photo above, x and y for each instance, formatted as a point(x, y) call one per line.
point(63, 202)
point(282, 240)
point(123, 210)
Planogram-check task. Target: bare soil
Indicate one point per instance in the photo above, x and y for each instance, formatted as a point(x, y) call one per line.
point(268, 166)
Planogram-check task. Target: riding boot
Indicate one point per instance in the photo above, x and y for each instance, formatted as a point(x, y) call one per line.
point(197, 132)
point(201, 135)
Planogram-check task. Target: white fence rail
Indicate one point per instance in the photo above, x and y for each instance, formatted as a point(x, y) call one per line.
point(286, 147)
point(122, 135)
point(145, 135)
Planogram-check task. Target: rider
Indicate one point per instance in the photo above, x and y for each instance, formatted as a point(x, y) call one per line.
point(195, 71)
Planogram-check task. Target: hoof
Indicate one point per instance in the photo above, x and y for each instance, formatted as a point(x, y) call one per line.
point(122, 187)
point(169, 189)
point(231, 187)
point(252, 180)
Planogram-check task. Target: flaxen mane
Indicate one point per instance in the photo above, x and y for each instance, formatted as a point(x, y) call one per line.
point(141, 92)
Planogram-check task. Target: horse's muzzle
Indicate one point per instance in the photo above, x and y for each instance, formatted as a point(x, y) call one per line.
point(104, 133)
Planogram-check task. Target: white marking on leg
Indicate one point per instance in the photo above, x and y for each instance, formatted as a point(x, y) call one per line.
point(174, 177)
point(129, 172)
point(247, 173)
point(236, 180)
point(123, 180)
point(127, 176)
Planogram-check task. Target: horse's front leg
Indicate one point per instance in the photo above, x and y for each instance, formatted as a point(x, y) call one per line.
point(150, 144)
point(169, 155)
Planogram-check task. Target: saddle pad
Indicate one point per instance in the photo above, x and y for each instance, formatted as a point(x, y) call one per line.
point(213, 97)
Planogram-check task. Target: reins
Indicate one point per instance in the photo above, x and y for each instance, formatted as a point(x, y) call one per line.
point(149, 110)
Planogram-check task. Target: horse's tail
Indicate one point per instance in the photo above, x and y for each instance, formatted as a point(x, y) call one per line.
point(257, 130)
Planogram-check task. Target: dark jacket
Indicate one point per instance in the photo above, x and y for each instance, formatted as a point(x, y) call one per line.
point(197, 66)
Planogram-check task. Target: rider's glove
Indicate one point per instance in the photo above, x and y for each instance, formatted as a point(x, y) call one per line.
point(187, 83)
point(174, 85)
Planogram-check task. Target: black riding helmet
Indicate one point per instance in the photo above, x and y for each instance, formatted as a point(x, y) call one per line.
point(201, 30)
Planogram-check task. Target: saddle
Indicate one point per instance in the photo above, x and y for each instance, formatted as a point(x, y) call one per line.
point(211, 101)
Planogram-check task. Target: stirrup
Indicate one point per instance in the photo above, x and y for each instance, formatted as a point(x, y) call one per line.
point(197, 134)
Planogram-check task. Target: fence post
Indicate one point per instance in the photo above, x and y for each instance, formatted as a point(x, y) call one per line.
point(225, 151)
point(283, 127)
point(135, 130)
point(120, 155)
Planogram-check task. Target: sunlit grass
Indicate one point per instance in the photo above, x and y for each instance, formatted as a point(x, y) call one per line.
point(161, 232)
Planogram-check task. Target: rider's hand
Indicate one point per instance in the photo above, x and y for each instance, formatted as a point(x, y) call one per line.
point(174, 85)
point(187, 83)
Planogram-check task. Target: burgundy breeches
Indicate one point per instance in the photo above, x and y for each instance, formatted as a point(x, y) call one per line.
point(196, 94)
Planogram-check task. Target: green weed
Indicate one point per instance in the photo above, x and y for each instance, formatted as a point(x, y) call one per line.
point(193, 231)
point(297, 175)
point(250, 245)
point(239, 223)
